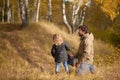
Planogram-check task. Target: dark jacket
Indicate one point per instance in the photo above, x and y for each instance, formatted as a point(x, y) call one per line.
point(59, 52)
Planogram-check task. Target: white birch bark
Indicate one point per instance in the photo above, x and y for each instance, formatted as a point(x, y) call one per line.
point(26, 12)
point(76, 8)
point(82, 17)
point(3, 11)
point(65, 18)
point(36, 10)
point(34, 13)
point(22, 12)
point(49, 14)
point(9, 15)
point(8, 11)
point(83, 12)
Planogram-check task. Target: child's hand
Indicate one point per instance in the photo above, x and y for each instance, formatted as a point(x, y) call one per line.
point(77, 65)
point(72, 56)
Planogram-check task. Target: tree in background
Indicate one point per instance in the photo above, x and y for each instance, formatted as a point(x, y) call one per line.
point(76, 8)
point(24, 12)
point(65, 18)
point(3, 11)
point(49, 14)
point(7, 12)
point(36, 10)
point(82, 14)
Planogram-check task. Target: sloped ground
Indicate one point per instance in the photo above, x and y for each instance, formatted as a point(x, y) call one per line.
point(25, 54)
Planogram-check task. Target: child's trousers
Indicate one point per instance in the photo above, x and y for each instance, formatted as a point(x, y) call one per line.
point(65, 65)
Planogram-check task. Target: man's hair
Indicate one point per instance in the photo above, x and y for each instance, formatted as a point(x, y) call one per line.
point(83, 28)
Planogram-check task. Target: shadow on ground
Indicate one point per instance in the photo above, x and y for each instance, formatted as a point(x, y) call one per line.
point(9, 27)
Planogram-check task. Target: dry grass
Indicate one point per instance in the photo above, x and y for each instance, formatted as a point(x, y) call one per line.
point(25, 55)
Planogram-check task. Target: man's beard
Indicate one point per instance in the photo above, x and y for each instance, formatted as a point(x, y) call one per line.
point(81, 35)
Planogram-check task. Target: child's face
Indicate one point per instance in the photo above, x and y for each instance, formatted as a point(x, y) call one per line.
point(57, 40)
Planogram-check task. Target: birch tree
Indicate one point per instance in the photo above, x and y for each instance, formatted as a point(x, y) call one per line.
point(65, 18)
point(9, 15)
point(24, 12)
point(6, 12)
point(76, 8)
point(3, 11)
point(83, 12)
point(2, 14)
point(36, 10)
point(49, 14)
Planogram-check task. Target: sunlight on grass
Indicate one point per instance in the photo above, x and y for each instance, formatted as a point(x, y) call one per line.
point(25, 55)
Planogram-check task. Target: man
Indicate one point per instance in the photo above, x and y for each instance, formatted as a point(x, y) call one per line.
point(85, 52)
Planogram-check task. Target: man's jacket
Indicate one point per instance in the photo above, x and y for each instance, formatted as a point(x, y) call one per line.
point(86, 49)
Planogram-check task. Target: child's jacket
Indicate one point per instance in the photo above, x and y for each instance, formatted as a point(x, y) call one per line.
point(59, 52)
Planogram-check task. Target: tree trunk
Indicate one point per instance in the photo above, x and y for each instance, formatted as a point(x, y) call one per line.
point(8, 11)
point(65, 18)
point(36, 11)
point(82, 15)
point(49, 15)
point(3, 11)
point(76, 8)
point(9, 15)
point(83, 12)
point(24, 13)
point(73, 16)
point(2, 15)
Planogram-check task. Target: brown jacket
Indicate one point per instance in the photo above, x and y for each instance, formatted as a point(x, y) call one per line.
point(86, 49)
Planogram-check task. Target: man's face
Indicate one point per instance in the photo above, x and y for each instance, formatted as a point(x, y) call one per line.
point(80, 32)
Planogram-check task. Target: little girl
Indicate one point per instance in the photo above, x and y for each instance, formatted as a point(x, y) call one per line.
point(59, 52)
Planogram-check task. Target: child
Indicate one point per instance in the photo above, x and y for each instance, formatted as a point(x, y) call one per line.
point(59, 52)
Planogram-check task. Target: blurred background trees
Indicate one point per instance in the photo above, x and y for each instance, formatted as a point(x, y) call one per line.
point(102, 16)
